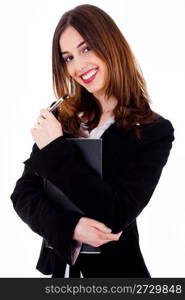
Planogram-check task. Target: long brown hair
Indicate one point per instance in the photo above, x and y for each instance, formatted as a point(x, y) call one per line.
point(125, 80)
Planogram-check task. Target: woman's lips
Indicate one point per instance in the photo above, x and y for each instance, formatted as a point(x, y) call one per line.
point(91, 78)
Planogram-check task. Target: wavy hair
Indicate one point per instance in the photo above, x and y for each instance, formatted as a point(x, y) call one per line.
point(125, 80)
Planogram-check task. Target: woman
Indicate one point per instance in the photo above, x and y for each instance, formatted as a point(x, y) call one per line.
point(93, 63)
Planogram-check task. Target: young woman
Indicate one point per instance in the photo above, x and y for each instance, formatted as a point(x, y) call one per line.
point(93, 63)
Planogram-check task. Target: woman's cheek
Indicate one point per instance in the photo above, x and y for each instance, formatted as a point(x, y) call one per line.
point(70, 69)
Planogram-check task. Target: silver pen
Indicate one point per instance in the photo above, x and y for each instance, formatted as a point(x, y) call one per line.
point(58, 102)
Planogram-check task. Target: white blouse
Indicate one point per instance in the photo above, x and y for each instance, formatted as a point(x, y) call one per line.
point(97, 132)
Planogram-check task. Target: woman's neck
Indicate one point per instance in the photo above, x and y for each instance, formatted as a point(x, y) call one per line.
point(108, 106)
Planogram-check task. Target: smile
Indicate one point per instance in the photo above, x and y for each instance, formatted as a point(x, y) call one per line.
point(88, 77)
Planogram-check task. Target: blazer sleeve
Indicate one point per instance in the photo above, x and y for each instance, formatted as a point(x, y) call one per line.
point(45, 218)
point(116, 203)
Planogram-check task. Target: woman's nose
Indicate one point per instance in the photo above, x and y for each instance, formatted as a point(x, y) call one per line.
point(80, 66)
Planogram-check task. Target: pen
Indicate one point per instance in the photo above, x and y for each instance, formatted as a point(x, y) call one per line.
point(59, 101)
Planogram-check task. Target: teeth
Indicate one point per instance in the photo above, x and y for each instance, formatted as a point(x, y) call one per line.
point(89, 75)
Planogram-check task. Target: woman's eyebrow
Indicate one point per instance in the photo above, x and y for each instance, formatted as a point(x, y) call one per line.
point(83, 42)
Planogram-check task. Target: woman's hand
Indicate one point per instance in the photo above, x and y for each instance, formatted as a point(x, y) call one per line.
point(94, 233)
point(47, 129)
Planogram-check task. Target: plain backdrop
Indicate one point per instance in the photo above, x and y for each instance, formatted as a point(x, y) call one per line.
point(155, 32)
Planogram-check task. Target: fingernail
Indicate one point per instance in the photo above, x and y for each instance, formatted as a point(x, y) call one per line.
point(109, 230)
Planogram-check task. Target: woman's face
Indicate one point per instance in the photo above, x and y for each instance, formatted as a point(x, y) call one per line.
point(82, 63)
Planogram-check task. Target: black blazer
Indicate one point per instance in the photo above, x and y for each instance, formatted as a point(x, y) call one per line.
point(131, 171)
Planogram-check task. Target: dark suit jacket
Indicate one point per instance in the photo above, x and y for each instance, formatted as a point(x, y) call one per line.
point(131, 170)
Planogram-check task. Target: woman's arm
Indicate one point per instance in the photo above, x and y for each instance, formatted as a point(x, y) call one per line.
point(44, 218)
point(116, 204)
point(49, 220)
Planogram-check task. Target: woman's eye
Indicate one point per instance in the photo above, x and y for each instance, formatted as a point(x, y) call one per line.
point(67, 59)
point(86, 48)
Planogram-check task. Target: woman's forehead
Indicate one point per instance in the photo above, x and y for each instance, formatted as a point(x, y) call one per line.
point(70, 39)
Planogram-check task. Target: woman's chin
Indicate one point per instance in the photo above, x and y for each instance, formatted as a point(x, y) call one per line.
point(95, 91)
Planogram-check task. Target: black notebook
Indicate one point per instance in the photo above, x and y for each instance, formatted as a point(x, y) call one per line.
point(91, 151)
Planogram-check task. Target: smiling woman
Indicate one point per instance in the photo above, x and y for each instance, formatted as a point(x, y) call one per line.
point(108, 100)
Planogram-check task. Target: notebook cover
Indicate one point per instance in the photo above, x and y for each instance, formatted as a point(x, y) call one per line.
point(91, 151)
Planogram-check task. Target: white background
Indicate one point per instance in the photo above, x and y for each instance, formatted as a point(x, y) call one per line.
point(155, 31)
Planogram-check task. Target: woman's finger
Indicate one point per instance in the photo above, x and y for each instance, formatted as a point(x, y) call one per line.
point(100, 226)
point(41, 120)
point(46, 114)
point(120, 233)
point(112, 237)
point(36, 126)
